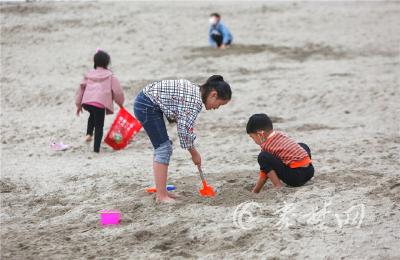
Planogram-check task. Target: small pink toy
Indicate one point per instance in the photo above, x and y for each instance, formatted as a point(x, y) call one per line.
point(58, 146)
point(110, 217)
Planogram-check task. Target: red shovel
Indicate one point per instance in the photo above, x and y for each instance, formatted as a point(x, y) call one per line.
point(206, 191)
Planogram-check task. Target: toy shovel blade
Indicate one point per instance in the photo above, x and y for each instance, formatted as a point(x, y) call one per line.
point(206, 191)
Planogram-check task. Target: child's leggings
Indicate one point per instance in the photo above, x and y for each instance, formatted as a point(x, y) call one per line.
point(291, 176)
point(96, 123)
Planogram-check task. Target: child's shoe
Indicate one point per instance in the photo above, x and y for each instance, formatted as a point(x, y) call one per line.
point(58, 146)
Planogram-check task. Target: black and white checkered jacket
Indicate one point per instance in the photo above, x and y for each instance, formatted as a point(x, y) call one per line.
point(179, 100)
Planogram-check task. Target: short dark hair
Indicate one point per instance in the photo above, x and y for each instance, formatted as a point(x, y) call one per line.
point(259, 122)
point(217, 83)
point(101, 59)
point(216, 15)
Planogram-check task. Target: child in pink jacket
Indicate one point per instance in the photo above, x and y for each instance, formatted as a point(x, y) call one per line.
point(96, 93)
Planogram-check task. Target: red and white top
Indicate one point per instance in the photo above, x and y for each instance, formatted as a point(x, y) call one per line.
point(286, 149)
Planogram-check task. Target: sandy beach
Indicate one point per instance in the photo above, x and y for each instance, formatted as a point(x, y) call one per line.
point(326, 72)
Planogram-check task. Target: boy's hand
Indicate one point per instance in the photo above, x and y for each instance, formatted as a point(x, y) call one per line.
point(262, 178)
point(78, 110)
point(196, 158)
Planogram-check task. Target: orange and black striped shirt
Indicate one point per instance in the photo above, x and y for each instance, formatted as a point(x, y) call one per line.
point(286, 149)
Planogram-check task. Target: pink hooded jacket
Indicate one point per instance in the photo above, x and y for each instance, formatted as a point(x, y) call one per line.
point(100, 86)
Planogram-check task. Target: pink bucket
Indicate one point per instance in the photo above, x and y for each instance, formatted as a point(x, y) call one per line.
point(110, 217)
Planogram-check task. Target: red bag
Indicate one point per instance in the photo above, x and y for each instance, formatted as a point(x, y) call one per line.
point(124, 127)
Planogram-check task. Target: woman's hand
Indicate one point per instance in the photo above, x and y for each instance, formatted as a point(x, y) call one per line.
point(196, 158)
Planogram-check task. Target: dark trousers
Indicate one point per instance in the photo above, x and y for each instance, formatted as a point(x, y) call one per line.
point(96, 124)
point(293, 177)
point(218, 39)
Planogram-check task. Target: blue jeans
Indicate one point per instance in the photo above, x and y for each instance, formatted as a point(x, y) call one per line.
point(152, 120)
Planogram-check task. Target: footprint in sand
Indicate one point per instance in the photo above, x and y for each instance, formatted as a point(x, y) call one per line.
point(164, 246)
point(143, 235)
point(6, 186)
point(314, 127)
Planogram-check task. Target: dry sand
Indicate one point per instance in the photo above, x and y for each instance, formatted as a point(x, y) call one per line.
point(327, 72)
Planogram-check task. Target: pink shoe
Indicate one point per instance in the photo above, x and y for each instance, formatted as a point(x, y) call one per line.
point(58, 146)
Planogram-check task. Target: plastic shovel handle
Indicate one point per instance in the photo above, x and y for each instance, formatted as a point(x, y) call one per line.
point(203, 178)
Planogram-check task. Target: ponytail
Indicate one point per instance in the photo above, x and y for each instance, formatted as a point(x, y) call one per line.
point(217, 83)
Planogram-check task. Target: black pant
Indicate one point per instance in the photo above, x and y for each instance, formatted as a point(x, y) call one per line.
point(96, 123)
point(293, 177)
point(218, 39)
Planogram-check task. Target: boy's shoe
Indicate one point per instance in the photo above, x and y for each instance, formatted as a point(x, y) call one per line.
point(58, 146)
